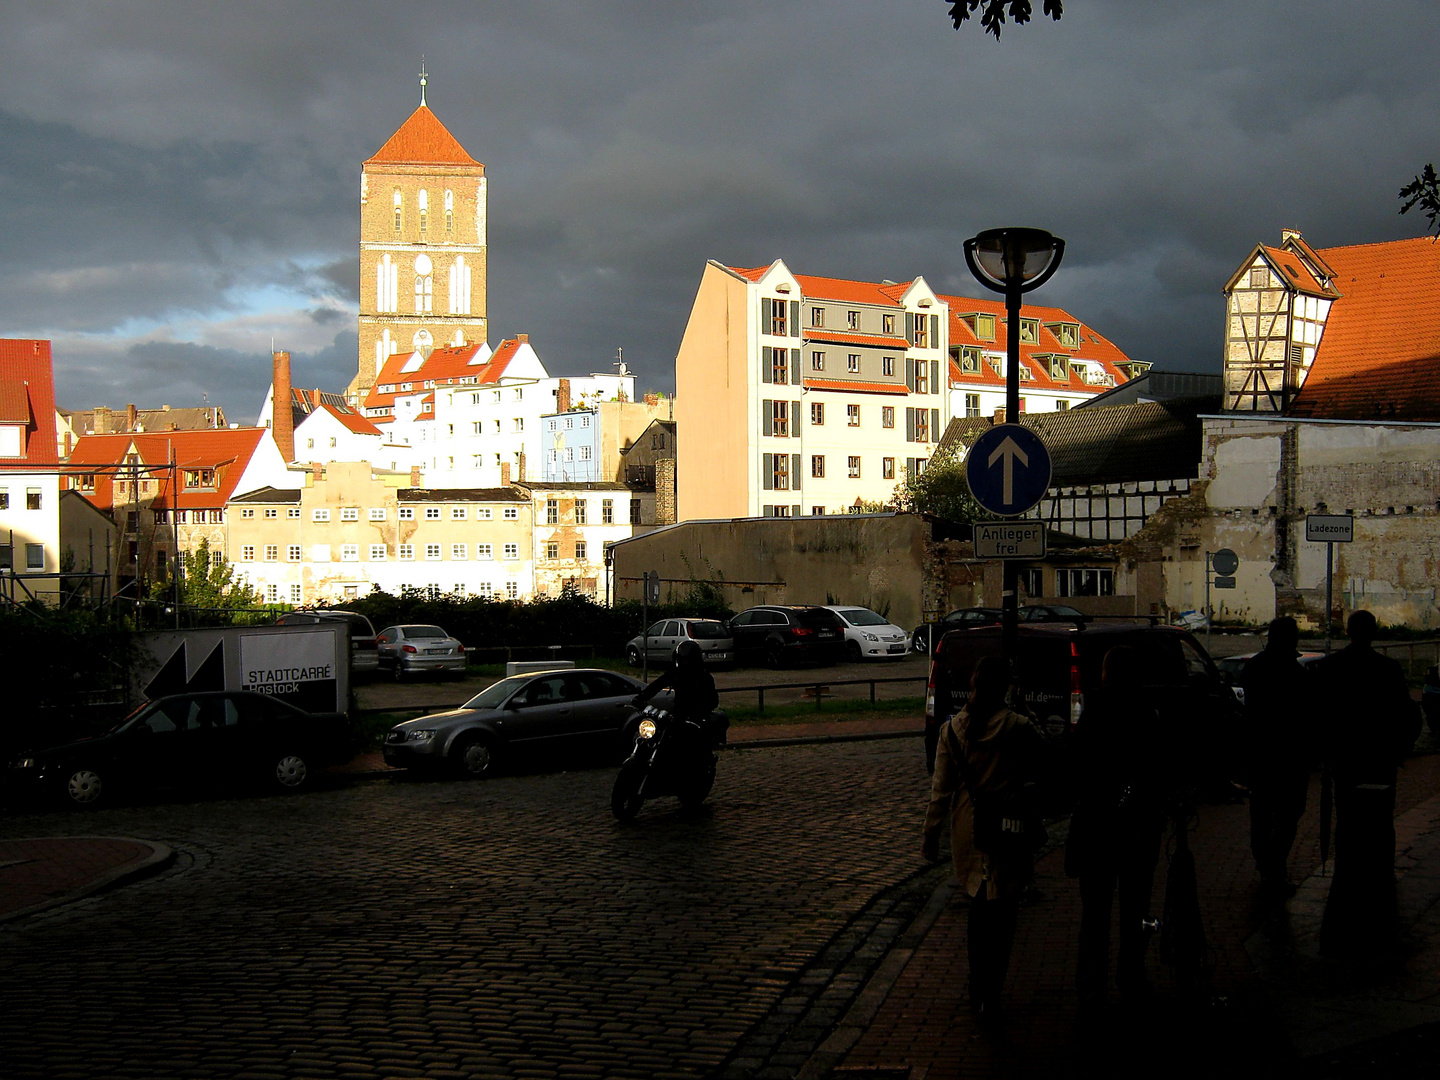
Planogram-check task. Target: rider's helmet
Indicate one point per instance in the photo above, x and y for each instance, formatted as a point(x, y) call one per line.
point(687, 653)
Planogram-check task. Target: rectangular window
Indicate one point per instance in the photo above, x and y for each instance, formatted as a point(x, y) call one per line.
point(378, 552)
point(162, 517)
point(552, 512)
point(1079, 581)
point(1061, 405)
point(972, 405)
point(852, 320)
point(779, 418)
point(1029, 331)
point(271, 513)
point(817, 360)
point(349, 513)
point(349, 552)
point(406, 551)
point(852, 363)
point(1060, 368)
point(519, 423)
point(35, 556)
point(458, 513)
point(132, 521)
point(406, 513)
point(1259, 278)
point(272, 552)
point(921, 338)
point(887, 468)
point(292, 553)
point(7, 557)
point(584, 453)
point(293, 512)
point(552, 549)
point(817, 413)
point(32, 498)
point(199, 478)
point(887, 416)
point(272, 594)
point(247, 552)
point(779, 471)
point(247, 513)
point(817, 316)
point(1031, 582)
point(607, 511)
point(635, 512)
point(319, 515)
point(295, 594)
point(459, 551)
point(432, 513)
point(512, 590)
point(817, 466)
point(581, 513)
point(217, 559)
point(484, 551)
point(512, 513)
point(377, 513)
point(970, 361)
point(853, 465)
point(852, 415)
point(482, 513)
point(777, 318)
point(512, 551)
point(777, 363)
point(579, 549)
point(887, 366)
point(922, 377)
point(432, 552)
point(887, 324)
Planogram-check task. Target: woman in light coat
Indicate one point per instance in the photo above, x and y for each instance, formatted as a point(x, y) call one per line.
point(990, 748)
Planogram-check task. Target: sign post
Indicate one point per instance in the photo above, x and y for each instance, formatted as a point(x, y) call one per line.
point(1224, 562)
point(1329, 529)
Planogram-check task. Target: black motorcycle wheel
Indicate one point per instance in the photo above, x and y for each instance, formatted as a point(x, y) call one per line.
point(625, 797)
point(693, 795)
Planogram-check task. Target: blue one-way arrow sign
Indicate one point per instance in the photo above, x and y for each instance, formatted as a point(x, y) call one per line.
point(1008, 469)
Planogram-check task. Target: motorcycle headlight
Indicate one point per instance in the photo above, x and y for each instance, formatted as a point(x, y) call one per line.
point(419, 736)
point(646, 729)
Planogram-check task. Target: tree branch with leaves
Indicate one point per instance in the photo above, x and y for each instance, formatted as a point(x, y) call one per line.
point(994, 12)
point(1423, 193)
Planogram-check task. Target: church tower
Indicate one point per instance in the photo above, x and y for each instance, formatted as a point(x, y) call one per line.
point(422, 246)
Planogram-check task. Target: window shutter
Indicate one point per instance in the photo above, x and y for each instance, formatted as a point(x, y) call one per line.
point(795, 366)
point(795, 510)
point(794, 419)
point(910, 374)
point(794, 318)
point(934, 425)
point(909, 425)
point(910, 329)
point(767, 471)
point(795, 472)
point(910, 467)
point(767, 417)
point(934, 331)
point(935, 376)
point(764, 315)
point(766, 359)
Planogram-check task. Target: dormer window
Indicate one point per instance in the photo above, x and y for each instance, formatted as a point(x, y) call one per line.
point(981, 325)
point(1029, 331)
point(1067, 334)
point(1060, 368)
point(969, 360)
point(200, 478)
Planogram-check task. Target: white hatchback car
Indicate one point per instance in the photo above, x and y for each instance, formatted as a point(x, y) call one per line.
point(869, 636)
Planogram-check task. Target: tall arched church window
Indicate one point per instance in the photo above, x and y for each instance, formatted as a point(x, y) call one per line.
point(424, 211)
point(385, 347)
point(460, 287)
point(424, 284)
point(449, 213)
point(387, 281)
point(399, 205)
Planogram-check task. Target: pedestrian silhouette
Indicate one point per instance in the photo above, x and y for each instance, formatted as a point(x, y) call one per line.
point(1124, 773)
point(1280, 711)
point(1373, 725)
point(986, 755)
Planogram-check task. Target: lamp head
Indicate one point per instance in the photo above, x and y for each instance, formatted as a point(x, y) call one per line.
point(1014, 258)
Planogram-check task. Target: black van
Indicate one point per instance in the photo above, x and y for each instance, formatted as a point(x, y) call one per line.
point(1060, 664)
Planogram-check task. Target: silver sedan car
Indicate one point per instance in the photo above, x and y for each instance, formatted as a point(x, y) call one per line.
point(416, 648)
point(716, 646)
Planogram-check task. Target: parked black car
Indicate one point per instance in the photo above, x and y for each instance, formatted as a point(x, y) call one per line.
point(364, 650)
point(1060, 664)
point(559, 715)
point(188, 740)
point(777, 634)
point(987, 616)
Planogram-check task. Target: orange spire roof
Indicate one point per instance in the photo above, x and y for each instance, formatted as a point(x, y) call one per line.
point(422, 140)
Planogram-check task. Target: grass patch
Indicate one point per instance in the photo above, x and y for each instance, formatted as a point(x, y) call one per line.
point(843, 709)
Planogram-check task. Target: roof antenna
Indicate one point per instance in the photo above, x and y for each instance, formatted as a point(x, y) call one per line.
point(620, 362)
point(424, 78)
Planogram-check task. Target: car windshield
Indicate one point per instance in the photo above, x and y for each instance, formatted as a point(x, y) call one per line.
point(706, 631)
point(859, 616)
point(495, 695)
point(424, 632)
point(818, 618)
point(136, 715)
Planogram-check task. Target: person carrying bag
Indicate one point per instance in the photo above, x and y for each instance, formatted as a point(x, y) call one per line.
point(985, 760)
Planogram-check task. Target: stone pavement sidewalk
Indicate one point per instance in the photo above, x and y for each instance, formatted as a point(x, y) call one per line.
point(1271, 1003)
point(41, 873)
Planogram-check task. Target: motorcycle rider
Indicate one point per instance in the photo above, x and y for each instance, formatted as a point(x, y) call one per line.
point(694, 687)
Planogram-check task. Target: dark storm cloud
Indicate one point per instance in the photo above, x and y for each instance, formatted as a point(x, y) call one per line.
point(162, 172)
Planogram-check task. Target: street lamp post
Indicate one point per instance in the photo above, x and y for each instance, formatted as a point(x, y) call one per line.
point(1012, 261)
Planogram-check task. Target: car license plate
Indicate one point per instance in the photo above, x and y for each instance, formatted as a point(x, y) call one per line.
point(436, 652)
point(896, 648)
point(712, 655)
point(826, 633)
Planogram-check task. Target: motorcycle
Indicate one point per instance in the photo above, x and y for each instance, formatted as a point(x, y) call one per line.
point(670, 757)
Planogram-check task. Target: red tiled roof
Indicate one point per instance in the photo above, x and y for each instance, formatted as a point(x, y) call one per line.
point(1379, 356)
point(422, 140)
point(860, 387)
point(1295, 272)
point(443, 367)
point(841, 289)
point(840, 337)
point(27, 396)
point(353, 421)
point(227, 450)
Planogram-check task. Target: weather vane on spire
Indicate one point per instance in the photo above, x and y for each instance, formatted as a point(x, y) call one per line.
point(424, 78)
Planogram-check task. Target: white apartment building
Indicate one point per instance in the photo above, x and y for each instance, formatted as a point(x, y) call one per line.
point(806, 395)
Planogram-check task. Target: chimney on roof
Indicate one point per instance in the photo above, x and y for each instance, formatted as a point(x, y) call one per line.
point(652, 400)
point(318, 470)
point(999, 416)
point(1290, 234)
point(522, 339)
point(562, 396)
point(282, 418)
point(415, 479)
point(520, 466)
point(130, 417)
point(505, 474)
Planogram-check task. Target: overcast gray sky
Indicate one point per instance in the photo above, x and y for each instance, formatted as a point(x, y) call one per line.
point(179, 181)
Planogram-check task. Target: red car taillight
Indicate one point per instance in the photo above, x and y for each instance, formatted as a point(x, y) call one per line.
point(408, 648)
point(1077, 697)
point(802, 631)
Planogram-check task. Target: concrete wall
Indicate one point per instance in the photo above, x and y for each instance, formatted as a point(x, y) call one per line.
point(872, 560)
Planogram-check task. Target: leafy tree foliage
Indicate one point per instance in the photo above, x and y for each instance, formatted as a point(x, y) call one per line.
point(994, 12)
point(1423, 192)
point(208, 588)
point(941, 491)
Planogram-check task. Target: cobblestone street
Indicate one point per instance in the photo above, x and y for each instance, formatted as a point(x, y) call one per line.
point(508, 928)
